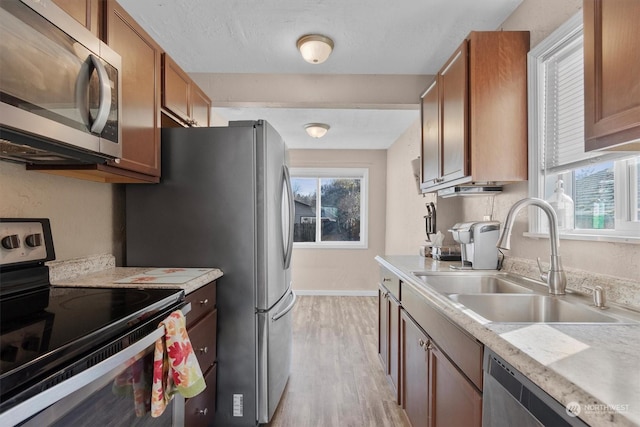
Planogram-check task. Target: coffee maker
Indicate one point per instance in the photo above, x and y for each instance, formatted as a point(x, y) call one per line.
point(477, 244)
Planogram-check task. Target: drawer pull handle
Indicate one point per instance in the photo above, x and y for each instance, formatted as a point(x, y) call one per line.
point(202, 411)
point(204, 301)
point(386, 279)
point(429, 346)
point(204, 350)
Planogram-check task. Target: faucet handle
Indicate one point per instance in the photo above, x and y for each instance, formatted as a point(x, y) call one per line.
point(544, 275)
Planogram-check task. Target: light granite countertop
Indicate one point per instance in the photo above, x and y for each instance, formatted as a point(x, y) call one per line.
point(597, 366)
point(100, 272)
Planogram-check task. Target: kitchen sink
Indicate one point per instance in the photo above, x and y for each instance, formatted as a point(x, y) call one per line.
point(470, 283)
point(530, 309)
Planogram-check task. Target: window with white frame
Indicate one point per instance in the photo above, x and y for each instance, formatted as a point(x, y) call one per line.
point(596, 194)
point(330, 207)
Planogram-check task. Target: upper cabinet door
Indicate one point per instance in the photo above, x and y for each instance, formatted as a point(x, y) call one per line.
point(182, 100)
point(454, 93)
point(430, 110)
point(175, 89)
point(200, 107)
point(140, 91)
point(611, 75)
point(86, 12)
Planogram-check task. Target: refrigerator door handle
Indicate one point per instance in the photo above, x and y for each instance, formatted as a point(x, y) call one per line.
point(288, 216)
point(287, 308)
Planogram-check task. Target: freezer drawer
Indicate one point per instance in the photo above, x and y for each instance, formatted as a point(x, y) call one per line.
point(275, 336)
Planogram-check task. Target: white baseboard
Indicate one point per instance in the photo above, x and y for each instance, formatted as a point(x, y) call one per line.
point(338, 293)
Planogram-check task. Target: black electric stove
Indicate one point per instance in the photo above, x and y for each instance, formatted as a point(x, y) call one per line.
point(48, 334)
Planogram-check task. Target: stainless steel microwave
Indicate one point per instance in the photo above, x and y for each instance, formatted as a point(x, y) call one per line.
point(59, 88)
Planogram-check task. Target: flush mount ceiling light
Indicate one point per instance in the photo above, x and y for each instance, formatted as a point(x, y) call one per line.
point(316, 130)
point(315, 48)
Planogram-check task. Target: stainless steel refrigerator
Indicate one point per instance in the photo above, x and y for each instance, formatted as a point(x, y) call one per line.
point(225, 201)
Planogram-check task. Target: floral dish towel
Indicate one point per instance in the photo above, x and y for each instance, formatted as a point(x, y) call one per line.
point(175, 367)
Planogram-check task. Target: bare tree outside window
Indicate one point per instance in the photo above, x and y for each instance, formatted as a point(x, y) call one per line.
point(328, 209)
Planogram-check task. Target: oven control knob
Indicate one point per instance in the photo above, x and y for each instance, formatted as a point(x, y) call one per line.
point(34, 240)
point(11, 242)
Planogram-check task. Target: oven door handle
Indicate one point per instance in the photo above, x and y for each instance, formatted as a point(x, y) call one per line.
point(54, 394)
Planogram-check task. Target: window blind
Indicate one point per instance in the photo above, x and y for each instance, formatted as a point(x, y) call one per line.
point(563, 132)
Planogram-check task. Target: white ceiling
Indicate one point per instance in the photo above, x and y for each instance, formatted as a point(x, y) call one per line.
point(406, 37)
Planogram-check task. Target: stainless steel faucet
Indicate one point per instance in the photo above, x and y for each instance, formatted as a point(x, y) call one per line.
point(554, 277)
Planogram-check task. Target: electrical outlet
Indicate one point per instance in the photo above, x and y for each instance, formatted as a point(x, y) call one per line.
point(486, 218)
point(238, 405)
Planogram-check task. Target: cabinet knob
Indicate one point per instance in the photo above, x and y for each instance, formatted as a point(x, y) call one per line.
point(429, 346)
point(202, 411)
point(204, 350)
point(204, 301)
point(421, 342)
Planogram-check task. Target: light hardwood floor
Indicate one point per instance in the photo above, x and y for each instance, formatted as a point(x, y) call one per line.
point(337, 378)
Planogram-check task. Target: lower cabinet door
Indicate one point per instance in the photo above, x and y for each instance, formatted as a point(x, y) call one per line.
point(394, 346)
point(454, 401)
point(415, 372)
point(383, 328)
point(203, 340)
point(199, 411)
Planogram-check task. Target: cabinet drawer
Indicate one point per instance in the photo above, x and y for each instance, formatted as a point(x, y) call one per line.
point(203, 337)
point(391, 282)
point(202, 302)
point(200, 410)
point(459, 346)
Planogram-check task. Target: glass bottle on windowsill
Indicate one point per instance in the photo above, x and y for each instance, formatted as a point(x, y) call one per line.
point(564, 207)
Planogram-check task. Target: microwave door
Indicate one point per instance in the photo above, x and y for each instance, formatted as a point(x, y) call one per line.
point(51, 84)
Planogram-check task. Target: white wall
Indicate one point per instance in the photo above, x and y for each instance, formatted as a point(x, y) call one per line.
point(405, 228)
point(87, 218)
point(344, 270)
point(540, 17)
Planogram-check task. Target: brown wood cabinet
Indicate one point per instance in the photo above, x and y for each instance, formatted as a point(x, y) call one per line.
point(199, 410)
point(430, 114)
point(140, 91)
point(182, 99)
point(415, 372)
point(611, 70)
point(383, 327)
point(454, 107)
point(439, 366)
point(87, 12)
point(142, 96)
point(140, 101)
point(474, 118)
point(455, 401)
point(435, 393)
point(389, 328)
point(202, 323)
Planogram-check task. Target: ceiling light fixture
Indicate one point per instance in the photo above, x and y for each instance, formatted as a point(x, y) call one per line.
point(315, 48)
point(316, 130)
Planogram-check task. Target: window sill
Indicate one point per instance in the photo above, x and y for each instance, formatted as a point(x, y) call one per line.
point(588, 237)
point(329, 246)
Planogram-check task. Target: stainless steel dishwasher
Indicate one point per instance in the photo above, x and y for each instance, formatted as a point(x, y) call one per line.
point(511, 399)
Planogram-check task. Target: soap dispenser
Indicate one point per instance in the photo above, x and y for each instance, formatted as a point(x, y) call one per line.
point(563, 205)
